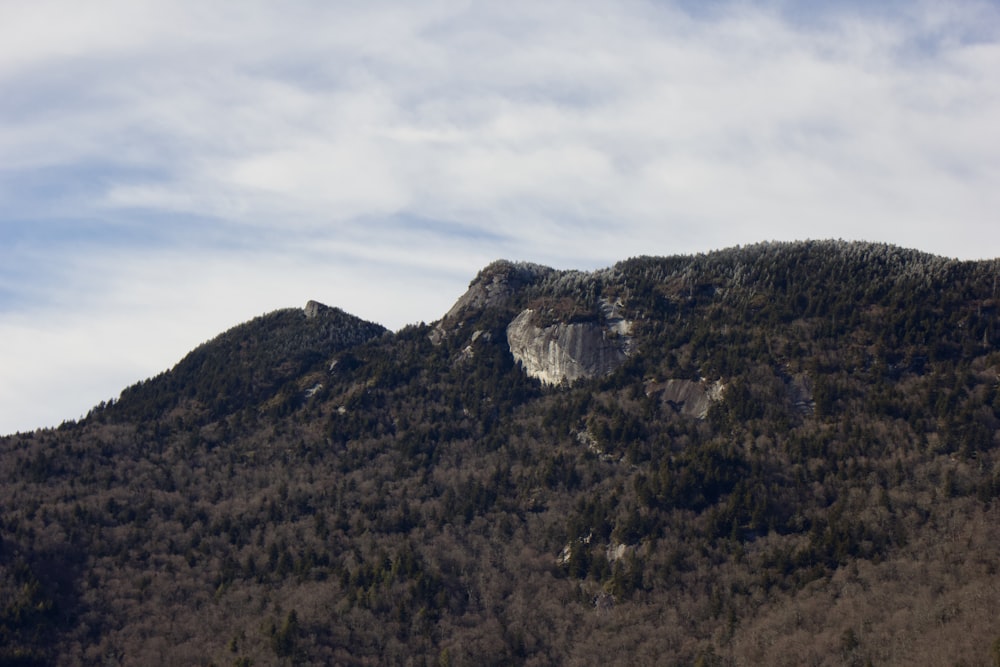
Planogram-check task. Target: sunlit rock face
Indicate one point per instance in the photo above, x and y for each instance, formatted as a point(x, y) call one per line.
point(495, 284)
point(564, 352)
point(492, 288)
point(687, 397)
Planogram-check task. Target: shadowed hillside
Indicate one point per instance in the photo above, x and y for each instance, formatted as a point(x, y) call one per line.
point(778, 454)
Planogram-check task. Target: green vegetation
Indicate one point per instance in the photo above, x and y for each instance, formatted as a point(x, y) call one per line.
point(318, 491)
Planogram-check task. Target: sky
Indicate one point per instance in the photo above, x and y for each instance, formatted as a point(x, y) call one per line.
point(171, 168)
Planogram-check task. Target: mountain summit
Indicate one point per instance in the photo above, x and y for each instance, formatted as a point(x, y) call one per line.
point(786, 453)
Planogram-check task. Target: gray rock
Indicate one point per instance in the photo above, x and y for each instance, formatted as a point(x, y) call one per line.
point(495, 284)
point(687, 397)
point(313, 308)
point(565, 352)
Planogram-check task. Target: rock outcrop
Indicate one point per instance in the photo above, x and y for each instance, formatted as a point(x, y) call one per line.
point(495, 284)
point(314, 308)
point(561, 336)
point(687, 397)
point(565, 352)
point(493, 287)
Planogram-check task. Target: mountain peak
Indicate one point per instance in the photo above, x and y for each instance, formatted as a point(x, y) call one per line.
point(739, 441)
point(314, 308)
point(495, 284)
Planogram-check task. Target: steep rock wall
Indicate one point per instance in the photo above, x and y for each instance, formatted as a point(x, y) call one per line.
point(495, 284)
point(564, 352)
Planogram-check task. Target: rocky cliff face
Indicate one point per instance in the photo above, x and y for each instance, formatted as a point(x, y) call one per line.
point(566, 352)
point(687, 397)
point(495, 284)
point(559, 335)
point(314, 308)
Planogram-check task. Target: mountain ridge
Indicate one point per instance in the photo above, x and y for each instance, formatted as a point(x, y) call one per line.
point(797, 461)
point(499, 281)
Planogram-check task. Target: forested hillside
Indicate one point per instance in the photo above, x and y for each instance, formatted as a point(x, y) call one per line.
point(797, 462)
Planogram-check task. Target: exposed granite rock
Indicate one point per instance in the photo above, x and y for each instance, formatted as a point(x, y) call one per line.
point(495, 284)
point(565, 352)
point(560, 337)
point(313, 308)
point(687, 397)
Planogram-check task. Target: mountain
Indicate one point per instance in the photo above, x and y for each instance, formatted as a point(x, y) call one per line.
point(260, 363)
point(786, 453)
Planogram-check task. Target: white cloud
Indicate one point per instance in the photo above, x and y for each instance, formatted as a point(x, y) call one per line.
point(393, 148)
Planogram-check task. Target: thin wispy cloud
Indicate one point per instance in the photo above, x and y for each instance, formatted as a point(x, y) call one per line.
point(172, 168)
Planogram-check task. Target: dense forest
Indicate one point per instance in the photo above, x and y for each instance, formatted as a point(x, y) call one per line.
point(311, 489)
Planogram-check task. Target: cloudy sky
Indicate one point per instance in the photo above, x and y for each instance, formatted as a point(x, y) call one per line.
point(170, 168)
